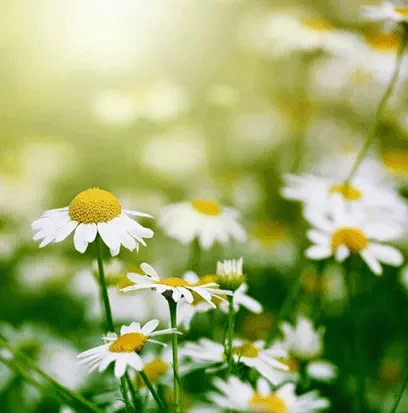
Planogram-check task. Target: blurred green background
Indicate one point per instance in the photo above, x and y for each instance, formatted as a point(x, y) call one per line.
point(163, 101)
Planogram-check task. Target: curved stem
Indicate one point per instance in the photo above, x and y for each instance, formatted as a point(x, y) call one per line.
point(382, 105)
point(177, 382)
point(108, 312)
point(230, 335)
point(153, 391)
point(400, 393)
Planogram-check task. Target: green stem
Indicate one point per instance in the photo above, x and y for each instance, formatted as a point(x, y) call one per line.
point(230, 335)
point(195, 254)
point(90, 407)
point(399, 394)
point(134, 395)
point(381, 107)
point(177, 382)
point(108, 312)
point(286, 308)
point(153, 391)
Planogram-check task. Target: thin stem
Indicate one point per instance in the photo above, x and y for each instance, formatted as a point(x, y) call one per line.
point(230, 334)
point(90, 407)
point(133, 393)
point(400, 393)
point(195, 254)
point(286, 308)
point(108, 312)
point(381, 107)
point(102, 286)
point(177, 382)
point(153, 391)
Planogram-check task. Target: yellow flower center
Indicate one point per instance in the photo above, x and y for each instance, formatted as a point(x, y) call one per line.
point(124, 282)
point(318, 24)
point(384, 42)
point(206, 279)
point(292, 363)
point(349, 192)
point(155, 369)
point(207, 207)
point(93, 206)
point(173, 282)
point(353, 238)
point(396, 161)
point(268, 404)
point(246, 350)
point(403, 11)
point(128, 343)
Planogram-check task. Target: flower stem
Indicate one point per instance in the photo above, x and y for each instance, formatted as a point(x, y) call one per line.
point(381, 107)
point(108, 312)
point(153, 391)
point(177, 381)
point(134, 395)
point(230, 334)
point(102, 286)
point(195, 254)
point(400, 393)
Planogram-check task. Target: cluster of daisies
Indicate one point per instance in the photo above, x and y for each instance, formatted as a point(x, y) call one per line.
point(247, 376)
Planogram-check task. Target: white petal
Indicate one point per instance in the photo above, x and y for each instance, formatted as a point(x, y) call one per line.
point(120, 367)
point(371, 261)
point(149, 270)
point(91, 231)
point(150, 326)
point(318, 252)
point(80, 241)
point(342, 253)
point(64, 231)
point(109, 237)
point(387, 254)
point(137, 213)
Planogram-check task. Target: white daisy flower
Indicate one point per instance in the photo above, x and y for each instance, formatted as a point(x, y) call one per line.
point(205, 220)
point(93, 211)
point(252, 355)
point(347, 229)
point(123, 350)
point(238, 396)
point(321, 370)
point(375, 197)
point(386, 11)
point(174, 287)
point(281, 34)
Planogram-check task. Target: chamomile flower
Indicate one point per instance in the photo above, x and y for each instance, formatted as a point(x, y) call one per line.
point(238, 396)
point(375, 197)
point(347, 229)
point(230, 273)
point(205, 220)
point(123, 350)
point(93, 211)
point(174, 287)
point(386, 11)
point(253, 355)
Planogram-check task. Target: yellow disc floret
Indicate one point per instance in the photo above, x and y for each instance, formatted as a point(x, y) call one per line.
point(353, 238)
point(347, 191)
point(268, 404)
point(246, 350)
point(173, 282)
point(94, 206)
point(128, 343)
point(207, 207)
point(403, 11)
point(396, 161)
point(155, 369)
point(318, 24)
point(384, 42)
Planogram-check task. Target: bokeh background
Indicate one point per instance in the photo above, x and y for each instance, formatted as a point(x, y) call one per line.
point(163, 101)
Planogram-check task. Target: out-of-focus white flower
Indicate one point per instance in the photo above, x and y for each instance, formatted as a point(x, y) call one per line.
point(175, 155)
point(386, 10)
point(123, 350)
point(205, 220)
point(174, 287)
point(321, 370)
point(280, 34)
point(239, 396)
point(347, 229)
point(302, 340)
point(93, 211)
point(264, 360)
point(376, 198)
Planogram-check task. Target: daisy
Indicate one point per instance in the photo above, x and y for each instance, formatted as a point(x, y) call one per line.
point(238, 396)
point(386, 11)
point(347, 229)
point(304, 345)
point(252, 355)
point(93, 211)
point(124, 350)
point(375, 197)
point(230, 273)
point(205, 220)
point(174, 287)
